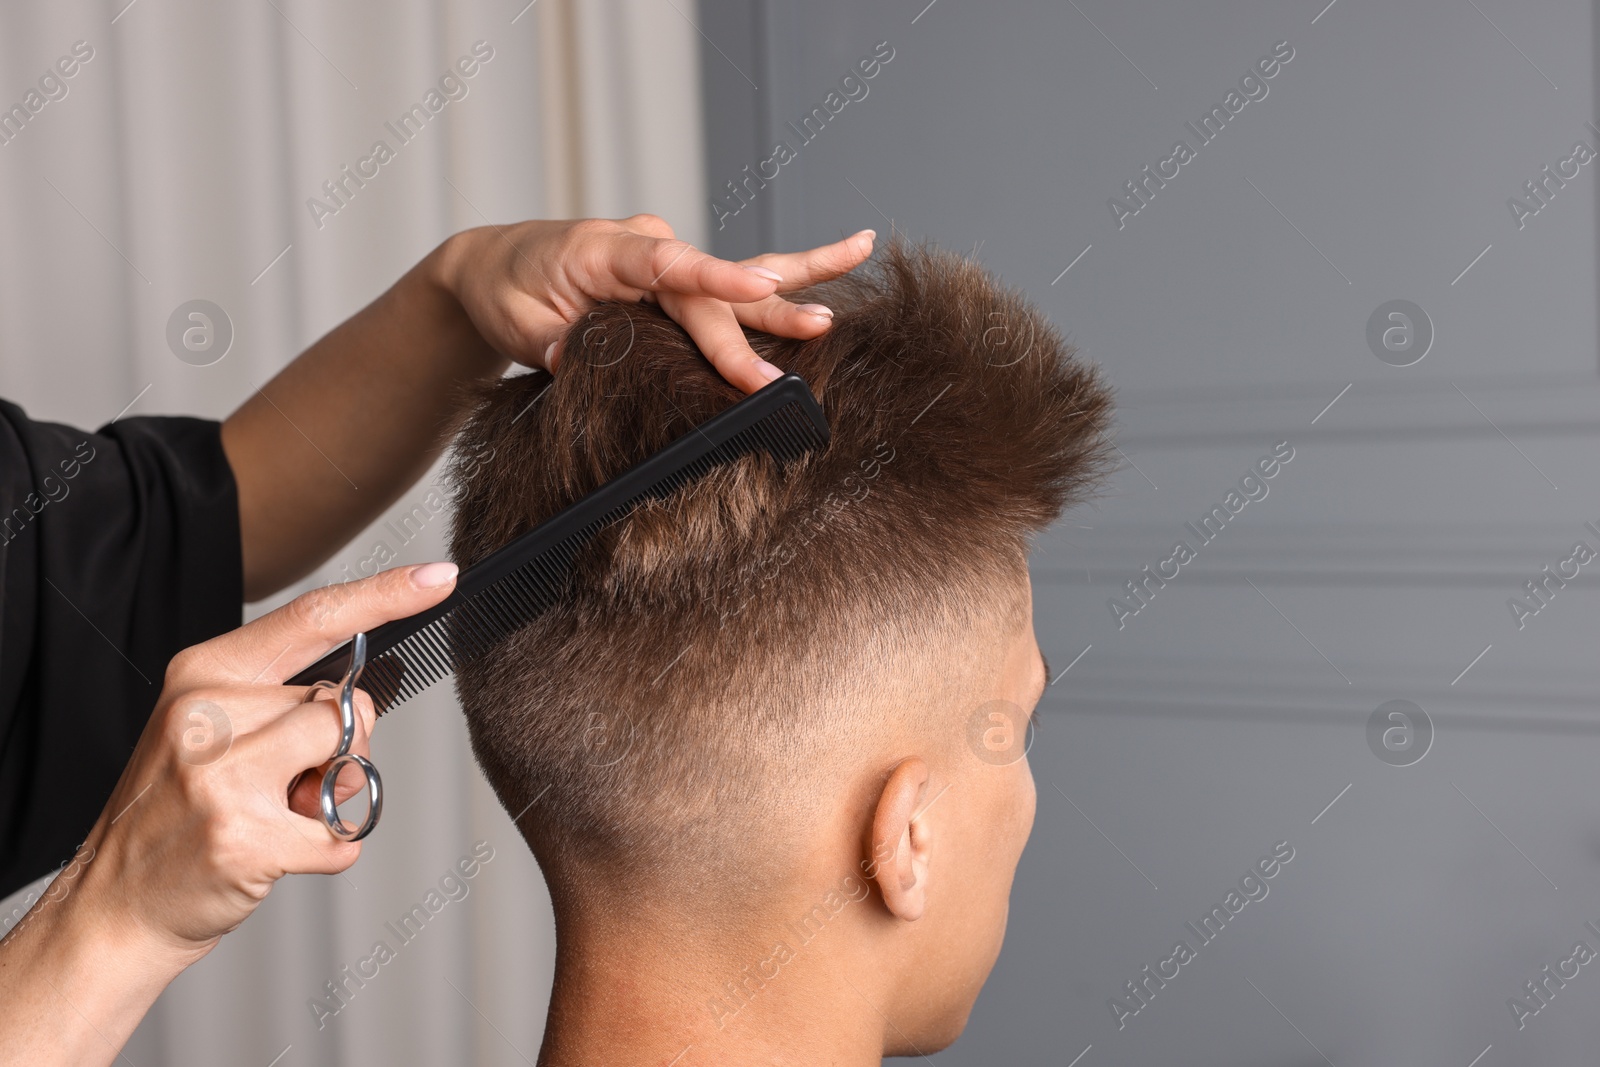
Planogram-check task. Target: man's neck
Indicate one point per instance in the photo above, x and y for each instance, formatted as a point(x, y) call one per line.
point(660, 994)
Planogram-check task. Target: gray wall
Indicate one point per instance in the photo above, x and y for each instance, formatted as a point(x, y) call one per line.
point(1229, 312)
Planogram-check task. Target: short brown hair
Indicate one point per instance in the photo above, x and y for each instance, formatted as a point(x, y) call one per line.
point(684, 671)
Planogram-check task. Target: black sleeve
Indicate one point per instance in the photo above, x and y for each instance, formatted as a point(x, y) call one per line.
point(118, 549)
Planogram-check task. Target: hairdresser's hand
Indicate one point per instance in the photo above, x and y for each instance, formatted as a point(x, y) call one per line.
point(199, 827)
point(205, 824)
point(525, 285)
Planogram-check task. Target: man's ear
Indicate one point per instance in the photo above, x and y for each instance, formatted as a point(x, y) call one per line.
point(900, 842)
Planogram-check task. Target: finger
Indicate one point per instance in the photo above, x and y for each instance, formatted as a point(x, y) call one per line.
point(800, 269)
point(202, 726)
point(336, 857)
point(234, 711)
point(366, 714)
point(715, 330)
point(532, 328)
point(303, 738)
point(280, 644)
point(302, 845)
point(631, 264)
point(298, 749)
point(305, 794)
point(780, 317)
point(298, 842)
point(649, 225)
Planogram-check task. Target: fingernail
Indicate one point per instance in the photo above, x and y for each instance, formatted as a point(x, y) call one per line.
point(816, 309)
point(767, 370)
point(762, 272)
point(433, 575)
point(872, 235)
point(550, 357)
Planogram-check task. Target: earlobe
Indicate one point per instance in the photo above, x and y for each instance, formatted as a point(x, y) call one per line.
point(900, 842)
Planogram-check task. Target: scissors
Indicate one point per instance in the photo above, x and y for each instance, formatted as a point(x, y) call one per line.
point(345, 690)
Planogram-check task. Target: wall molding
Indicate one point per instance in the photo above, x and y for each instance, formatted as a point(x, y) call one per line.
point(1373, 411)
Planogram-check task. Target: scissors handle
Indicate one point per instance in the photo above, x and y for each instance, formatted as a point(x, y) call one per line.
point(345, 699)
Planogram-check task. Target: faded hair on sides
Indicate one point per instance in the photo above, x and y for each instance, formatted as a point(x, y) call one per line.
point(718, 642)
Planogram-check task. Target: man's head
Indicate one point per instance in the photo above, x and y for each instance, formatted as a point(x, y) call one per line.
point(777, 693)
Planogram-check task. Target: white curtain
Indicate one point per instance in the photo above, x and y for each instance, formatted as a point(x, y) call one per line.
point(178, 166)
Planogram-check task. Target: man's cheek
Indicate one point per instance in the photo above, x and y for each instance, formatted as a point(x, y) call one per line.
point(1031, 798)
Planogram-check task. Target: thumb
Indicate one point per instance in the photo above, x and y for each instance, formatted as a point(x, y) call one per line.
point(279, 644)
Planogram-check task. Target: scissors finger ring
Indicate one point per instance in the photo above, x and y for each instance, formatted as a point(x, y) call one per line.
point(343, 757)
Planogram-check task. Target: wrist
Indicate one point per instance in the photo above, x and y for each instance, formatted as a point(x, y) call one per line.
point(437, 280)
point(92, 929)
point(76, 980)
point(443, 266)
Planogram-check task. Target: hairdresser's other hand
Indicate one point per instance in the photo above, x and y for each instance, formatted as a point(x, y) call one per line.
point(526, 285)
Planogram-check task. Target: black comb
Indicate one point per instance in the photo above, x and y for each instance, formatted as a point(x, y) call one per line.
point(508, 589)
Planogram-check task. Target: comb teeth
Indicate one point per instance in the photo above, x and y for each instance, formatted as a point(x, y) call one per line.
point(529, 580)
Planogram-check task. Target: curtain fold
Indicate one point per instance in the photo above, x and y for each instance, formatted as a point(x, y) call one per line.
point(187, 161)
